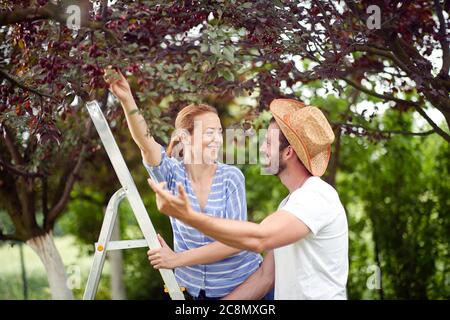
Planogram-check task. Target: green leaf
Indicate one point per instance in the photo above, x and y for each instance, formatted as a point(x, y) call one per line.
point(153, 94)
point(133, 46)
point(227, 74)
point(228, 52)
point(165, 139)
point(213, 35)
point(205, 67)
point(156, 112)
point(247, 5)
point(193, 52)
point(279, 3)
point(242, 32)
point(204, 48)
point(215, 49)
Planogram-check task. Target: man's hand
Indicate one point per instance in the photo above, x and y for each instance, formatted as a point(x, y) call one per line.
point(177, 207)
point(164, 257)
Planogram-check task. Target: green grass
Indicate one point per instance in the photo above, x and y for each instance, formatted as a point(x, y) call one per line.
point(77, 262)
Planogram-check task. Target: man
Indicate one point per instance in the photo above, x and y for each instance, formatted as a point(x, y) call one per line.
point(308, 232)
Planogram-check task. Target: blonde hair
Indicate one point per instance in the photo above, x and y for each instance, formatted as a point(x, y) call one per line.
point(185, 121)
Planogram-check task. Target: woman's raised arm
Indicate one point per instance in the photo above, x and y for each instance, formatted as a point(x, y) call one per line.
point(119, 86)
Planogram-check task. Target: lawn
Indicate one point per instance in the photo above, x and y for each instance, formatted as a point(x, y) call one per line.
point(77, 264)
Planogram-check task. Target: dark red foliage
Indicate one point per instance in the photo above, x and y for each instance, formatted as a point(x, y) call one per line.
point(129, 34)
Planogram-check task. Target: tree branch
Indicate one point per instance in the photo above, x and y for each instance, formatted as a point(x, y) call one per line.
point(17, 83)
point(402, 132)
point(9, 237)
point(416, 105)
point(19, 171)
point(65, 196)
point(44, 196)
point(28, 14)
point(9, 141)
point(383, 53)
point(104, 9)
point(327, 24)
point(26, 195)
point(378, 95)
point(443, 40)
point(12, 204)
point(438, 130)
point(403, 52)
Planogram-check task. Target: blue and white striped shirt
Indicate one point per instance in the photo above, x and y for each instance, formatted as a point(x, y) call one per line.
point(225, 200)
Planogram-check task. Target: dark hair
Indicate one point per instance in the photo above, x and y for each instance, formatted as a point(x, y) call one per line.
point(284, 143)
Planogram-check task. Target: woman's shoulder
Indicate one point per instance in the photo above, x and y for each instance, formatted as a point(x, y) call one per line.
point(173, 160)
point(232, 172)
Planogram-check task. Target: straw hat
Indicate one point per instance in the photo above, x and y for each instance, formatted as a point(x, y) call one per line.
point(308, 132)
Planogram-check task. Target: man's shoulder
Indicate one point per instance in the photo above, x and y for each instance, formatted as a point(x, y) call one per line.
point(316, 203)
point(315, 185)
point(316, 192)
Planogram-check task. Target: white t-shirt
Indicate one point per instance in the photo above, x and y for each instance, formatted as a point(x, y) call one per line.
point(315, 267)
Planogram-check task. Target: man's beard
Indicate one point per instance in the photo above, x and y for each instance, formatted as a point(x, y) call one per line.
point(275, 171)
point(281, 167)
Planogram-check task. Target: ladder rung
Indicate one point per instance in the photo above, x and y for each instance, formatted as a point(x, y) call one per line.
point(125, 244)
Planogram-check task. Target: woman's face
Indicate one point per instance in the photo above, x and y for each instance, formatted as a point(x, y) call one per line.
point(205, 141)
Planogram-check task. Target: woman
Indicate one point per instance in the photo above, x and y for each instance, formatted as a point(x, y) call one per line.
point(207, 268)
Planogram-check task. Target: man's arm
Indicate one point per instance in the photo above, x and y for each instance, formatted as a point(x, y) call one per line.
point(278, 229)
point(258, 284)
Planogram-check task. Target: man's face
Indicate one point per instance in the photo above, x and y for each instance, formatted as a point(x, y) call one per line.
point(272, 161)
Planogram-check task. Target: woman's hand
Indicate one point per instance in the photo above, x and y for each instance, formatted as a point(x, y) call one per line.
point(118, 84)
point(164, 257)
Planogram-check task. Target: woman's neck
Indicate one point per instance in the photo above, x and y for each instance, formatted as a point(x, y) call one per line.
point(198, 172)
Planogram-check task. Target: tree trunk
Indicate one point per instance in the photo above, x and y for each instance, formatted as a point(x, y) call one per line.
point(118, 291)
point(378, 262)
point(334, 161)
point(45, 248)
